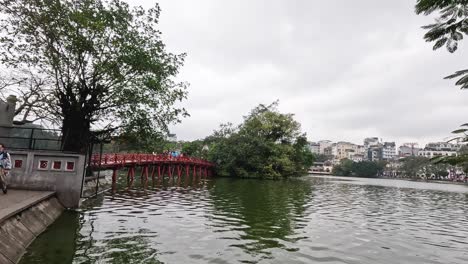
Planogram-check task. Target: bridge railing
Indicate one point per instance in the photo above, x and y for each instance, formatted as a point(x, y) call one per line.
point(124, 159)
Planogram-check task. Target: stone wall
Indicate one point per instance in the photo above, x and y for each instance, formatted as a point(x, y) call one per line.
point(17, 232)
point(105, 183)
point(49, 171)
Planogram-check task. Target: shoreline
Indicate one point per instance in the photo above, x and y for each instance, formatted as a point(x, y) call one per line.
point(388, 178)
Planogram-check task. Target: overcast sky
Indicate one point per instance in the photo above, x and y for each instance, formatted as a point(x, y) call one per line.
point(346, 69)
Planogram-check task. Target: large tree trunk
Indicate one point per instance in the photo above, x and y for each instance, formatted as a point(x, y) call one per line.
point(75, 132)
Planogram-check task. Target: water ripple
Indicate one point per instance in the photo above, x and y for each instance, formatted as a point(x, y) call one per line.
point(309, 220)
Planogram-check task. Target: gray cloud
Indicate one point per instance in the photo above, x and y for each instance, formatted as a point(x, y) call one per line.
point(346, 69)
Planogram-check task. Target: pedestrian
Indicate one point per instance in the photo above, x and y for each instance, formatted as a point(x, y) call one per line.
point(5, 167)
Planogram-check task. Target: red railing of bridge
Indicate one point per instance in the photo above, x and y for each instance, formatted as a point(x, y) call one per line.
point(113, 160)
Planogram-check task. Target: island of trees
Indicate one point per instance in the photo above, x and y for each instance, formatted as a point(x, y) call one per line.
point(267, 144)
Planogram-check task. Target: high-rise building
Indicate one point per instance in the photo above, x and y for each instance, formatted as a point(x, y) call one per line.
point(314, 147)
point(389, 151)
point(323, 144)
point(344, 150)
point(408, 150)
point(375, 153)
point(371, 141)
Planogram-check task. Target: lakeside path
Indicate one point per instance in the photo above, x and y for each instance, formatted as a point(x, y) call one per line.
point(18, 200)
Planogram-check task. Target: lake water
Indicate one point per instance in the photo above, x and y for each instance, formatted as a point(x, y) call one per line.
point(306, 220)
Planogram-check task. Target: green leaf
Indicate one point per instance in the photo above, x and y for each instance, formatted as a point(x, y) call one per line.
point(458, 131)
point(452, 45)
point(441, 42)
point(456, 74)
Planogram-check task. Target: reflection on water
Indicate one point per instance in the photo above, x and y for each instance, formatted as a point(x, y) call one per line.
point(308, 220)
point(259, 216)
point(57, 244)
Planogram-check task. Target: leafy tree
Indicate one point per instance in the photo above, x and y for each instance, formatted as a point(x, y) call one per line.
point(368, 168)
point(358, 169)
point(344, 168)
point(412, 165)
point(303, 157)
point(195, 149)
point(268, 144)
point(107, 63)
point(140, 142)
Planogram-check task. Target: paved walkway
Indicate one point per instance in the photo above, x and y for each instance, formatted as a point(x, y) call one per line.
point(18, 200)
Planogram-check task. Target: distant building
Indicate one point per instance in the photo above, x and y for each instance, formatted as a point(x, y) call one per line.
point(408, 151)
point(362, 150)
point(375, 153)
point(437, 149)
point(343, 150)
point(328, 151)
point(172, 137)
point(436, 153)
point(389, 151)
point(373, 149)
point(357, 157)
point(371, 141)
point(443, 146)
point(314, 147)
point(323, 144)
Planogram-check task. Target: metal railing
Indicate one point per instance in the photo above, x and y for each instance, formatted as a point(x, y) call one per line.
point(31, 138)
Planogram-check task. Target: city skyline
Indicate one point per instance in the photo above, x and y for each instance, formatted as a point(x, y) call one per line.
point(382, 140)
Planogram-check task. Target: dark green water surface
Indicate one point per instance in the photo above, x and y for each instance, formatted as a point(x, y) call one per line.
point(307, 220)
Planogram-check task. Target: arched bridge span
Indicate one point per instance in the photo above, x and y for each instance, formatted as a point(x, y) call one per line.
point(152, 165)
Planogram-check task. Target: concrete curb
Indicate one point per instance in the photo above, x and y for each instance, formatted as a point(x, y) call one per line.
point(19, 207)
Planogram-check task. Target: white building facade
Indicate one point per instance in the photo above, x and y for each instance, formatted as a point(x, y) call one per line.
point(439, 149)
point(314, 148)
point(389, 151)
point(323, 144)
point(436, 153)
point(443, 146)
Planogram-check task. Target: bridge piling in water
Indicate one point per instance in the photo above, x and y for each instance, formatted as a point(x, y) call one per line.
point(153, 171)
point(144, 173)
point(114, 176)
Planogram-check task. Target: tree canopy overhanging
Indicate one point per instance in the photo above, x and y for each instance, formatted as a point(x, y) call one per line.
point(105, 61)
point(448, 29)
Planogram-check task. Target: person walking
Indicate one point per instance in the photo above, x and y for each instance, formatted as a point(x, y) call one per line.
point(5, 167)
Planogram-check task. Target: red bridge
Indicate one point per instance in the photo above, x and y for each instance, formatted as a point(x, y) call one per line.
point(151, 164)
